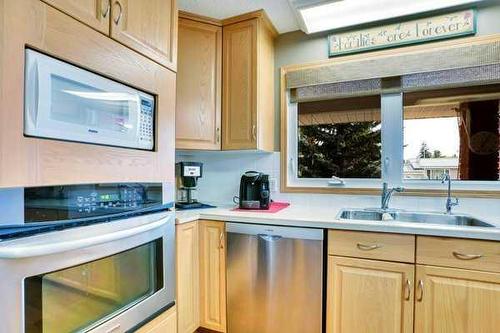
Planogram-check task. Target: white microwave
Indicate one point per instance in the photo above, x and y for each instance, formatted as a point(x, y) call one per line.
point(65, 102)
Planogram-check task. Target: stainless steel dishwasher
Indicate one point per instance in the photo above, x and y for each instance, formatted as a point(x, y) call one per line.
point(274, 279)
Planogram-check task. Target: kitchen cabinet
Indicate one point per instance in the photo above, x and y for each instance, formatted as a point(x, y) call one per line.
point(149, 27)
point(28, 161)
point(248, 81)
point(212, 275)
point(198, 113)
point(188, 277)
point(94, 13)
point(369, 296)
point(456, 300)
point(164, 323)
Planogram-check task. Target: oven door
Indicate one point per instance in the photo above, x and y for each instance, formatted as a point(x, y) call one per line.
point(66, 102)
point(104, 278)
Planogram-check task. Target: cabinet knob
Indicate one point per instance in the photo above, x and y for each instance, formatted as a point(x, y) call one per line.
point(105, 11)
point(366, 247)
point(118, 18)
point(420, 290)
point(407, 290)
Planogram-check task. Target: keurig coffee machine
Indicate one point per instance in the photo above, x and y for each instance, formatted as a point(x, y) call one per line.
point(187, 178)
point(254, 190)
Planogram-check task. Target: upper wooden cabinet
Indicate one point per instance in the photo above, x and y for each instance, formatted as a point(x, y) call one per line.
point(199, 71)
point(149, 27)
point(248, 81)
point(94, 13)
point(456, 300)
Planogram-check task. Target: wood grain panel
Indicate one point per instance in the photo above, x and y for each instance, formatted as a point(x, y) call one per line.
point(459, 253)
point(198, 113)
point(457, 301)
point(95, 13)
point(212, 275)
point(372, 245)
point(239, 108)
point(149, 27)
point(188, 277)
point(265, 87)
point(36, 162)
point(369, 296)
point(164, 323)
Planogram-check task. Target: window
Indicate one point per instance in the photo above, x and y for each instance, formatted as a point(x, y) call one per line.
point(412, 138)
point(340, 138)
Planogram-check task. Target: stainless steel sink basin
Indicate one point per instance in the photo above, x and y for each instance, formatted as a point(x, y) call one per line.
point(413, 217)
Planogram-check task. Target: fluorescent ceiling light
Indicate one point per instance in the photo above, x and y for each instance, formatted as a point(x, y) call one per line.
point(346, 13)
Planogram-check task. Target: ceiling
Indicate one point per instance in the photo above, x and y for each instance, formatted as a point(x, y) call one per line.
point(279, 11)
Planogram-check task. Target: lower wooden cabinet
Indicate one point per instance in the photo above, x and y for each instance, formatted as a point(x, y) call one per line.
point(201, 276)
point(450, 300)
point(188, 277)
point(369, 296)
point(213, 275)
point(164, 323)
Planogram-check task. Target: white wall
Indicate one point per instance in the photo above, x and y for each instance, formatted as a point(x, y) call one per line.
point(222, 172)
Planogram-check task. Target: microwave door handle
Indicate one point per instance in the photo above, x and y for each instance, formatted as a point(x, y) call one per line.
point(28, 251)
point(33, 87)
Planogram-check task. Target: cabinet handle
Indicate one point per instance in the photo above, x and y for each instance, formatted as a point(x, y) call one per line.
point(463, 256)
point(366, 247)
point(108, 8)
point(217, 135)
point(407, 290)
point(420, 290)
point(117, 20)
point(254, 132)
point(221, 240)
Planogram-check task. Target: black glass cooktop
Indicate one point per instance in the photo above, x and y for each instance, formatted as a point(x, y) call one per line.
point(28, 211)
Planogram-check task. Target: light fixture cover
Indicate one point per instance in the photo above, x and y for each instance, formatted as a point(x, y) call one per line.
point(319, 15)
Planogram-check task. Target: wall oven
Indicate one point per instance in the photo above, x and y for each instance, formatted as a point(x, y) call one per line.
point(65, 102)
point(85, 258)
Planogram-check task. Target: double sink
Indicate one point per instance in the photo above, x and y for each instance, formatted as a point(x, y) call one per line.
point(412, 217)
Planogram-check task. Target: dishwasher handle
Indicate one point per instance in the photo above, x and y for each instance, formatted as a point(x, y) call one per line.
point(270, 238)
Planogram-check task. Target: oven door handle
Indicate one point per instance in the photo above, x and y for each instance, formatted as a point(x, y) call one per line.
point(37, 250)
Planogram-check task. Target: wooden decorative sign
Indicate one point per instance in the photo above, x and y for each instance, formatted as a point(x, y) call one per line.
point(451, 25)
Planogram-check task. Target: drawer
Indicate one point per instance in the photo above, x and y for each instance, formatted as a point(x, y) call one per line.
point(372, 245)
point(459, 253)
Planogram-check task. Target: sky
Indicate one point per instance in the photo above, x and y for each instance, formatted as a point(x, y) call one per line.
point(439, 134)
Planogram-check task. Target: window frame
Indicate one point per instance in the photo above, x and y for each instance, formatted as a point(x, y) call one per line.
point(392, 150)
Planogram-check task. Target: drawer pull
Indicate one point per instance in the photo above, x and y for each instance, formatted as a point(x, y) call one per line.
point(407, 290)
point(420, 290)
point(463, 256)
point(366, 247)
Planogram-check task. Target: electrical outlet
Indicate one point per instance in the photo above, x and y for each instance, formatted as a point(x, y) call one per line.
point(273, 185)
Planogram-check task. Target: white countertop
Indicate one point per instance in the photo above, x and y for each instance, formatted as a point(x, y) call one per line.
point(326, 218)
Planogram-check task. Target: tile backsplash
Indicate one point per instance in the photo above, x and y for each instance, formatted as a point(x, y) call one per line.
point(222, 172)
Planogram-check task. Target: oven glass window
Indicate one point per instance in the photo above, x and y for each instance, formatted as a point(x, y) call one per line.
point(79, 104)
point(80, 297)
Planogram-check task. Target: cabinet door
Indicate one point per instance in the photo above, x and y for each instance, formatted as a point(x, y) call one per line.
point(199, 71)
point(452, 300)
point(369, 296)
point(164, 323)
point(149, 27)
point(94, 13)
point(188, 304)
point(213, 275)
point(239, 107)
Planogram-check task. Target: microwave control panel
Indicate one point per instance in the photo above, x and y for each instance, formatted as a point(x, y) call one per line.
point(146, 123)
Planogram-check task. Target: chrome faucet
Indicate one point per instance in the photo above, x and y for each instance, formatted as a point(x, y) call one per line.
point(387, 195)
point(450, 203)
